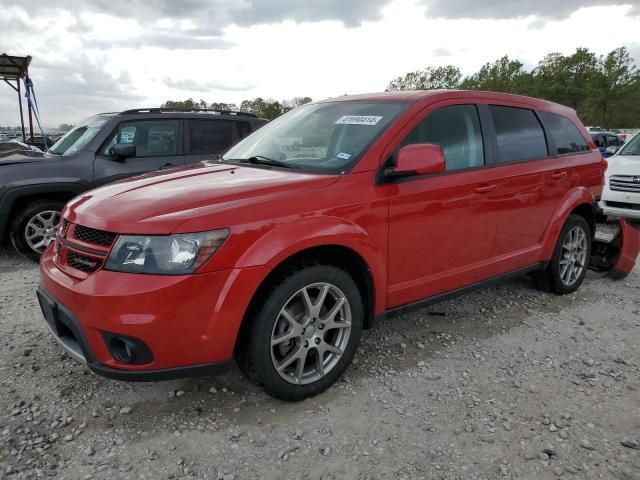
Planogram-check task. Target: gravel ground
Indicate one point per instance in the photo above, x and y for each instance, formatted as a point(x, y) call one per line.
point(507, 382)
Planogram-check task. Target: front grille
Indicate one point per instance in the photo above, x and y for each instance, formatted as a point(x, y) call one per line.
point(628, 206)
point(623, 183)
point(83, 263)
point(91, 235)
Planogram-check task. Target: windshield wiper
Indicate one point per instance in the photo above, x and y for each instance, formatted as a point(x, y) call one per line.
point(261, 160)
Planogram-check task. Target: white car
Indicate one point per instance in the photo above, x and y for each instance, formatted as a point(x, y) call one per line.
point(621, 194)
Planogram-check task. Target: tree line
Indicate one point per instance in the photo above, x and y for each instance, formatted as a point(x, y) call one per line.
point(604, 90)
point(263, 108)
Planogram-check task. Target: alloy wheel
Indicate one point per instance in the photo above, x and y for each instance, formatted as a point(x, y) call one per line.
point(311, 333)
point(573, 257)
point(41, 230)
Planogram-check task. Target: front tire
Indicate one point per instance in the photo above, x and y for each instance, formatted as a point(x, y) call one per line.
point(33, 228)
point(568, 266)
point(302, 333)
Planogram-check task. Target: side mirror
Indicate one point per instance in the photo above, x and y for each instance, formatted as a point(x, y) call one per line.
point(121, 151)
point(612, 150)
point(419, 159)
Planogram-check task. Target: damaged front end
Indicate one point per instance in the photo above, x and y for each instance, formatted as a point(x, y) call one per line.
point(615, 249)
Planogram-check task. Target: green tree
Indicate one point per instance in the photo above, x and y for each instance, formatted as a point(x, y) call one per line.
point(431, 78)
point(617, 90)
point(569, 80)
point(503, 75)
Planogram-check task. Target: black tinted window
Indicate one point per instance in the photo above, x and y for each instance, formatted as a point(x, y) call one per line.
point(244, 129)
point(210, 136)
point(519, 134)
point(457, 130)
point(564, 134)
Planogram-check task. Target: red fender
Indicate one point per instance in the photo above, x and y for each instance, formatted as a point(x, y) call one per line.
point(277, 245)
point(573, 199)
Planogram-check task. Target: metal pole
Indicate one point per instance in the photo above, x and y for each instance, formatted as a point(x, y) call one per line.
point(24, 135)
point(29, 106)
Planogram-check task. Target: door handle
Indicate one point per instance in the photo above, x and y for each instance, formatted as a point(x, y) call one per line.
point(166, 165)
point(558, 175)
point(485, 188)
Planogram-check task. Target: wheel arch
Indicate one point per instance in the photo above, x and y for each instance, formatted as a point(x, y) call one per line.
point(335, 255)
point(17, 198)
point(578, 201)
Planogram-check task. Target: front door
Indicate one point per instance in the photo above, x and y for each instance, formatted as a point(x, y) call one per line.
point(158, 146)
point(441, 231)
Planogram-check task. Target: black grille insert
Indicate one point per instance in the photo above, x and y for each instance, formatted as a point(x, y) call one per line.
point(83, 263)
point(90, 235)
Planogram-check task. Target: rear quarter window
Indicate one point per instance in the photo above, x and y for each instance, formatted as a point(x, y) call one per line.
point(519, 134)
point(210, 136)
point(565, 135)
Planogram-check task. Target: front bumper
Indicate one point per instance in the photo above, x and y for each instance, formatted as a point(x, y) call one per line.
point(67, 332)
point(189, 323)
point(620, 204)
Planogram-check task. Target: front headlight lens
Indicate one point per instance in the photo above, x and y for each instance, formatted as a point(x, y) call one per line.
point(164, 254)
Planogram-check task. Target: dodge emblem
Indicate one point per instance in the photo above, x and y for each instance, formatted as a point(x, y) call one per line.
point(636, 179)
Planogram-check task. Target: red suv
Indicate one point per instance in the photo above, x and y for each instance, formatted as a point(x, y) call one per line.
point(283, 250)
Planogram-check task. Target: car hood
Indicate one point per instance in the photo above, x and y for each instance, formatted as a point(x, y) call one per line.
point(623, 165)
point(160, 202)
point(12, 157)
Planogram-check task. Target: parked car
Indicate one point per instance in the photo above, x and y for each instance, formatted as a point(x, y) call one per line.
point(621, 195)
point(42, 142)
point(34, 186)
point(607, 142)
point(283, 251)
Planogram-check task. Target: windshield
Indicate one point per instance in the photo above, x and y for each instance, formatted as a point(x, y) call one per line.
point(77, 138)
point(632, 147)
point(323, 137)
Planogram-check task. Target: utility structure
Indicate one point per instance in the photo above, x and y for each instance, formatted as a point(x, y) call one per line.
point(13, 70)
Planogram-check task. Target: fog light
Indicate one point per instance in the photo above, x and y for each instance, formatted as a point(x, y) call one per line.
point(125, 349)
point(122, 350)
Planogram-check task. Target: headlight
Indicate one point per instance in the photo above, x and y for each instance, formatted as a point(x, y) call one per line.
point(164, 254)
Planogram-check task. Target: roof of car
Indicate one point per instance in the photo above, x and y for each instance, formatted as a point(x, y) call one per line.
point(188, 111)
point(414, 96)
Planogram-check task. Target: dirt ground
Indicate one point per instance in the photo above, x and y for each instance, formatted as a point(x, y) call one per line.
point(507, 382)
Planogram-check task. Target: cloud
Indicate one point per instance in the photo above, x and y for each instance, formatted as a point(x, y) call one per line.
point(502, 9)
point(193, 86)
point(216, 14)
point(92, 88)
point(441, 52)
point(160, 39)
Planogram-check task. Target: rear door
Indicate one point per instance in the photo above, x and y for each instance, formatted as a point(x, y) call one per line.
point(530, 184)
point(206, 137)
point(158, 146)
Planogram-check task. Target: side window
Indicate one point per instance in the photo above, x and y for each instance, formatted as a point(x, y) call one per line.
point(210, 136)
point(457, 130)
point(519, 134)
point(599, 141)
point(244, 129)
point(152, 138)
point(564, 133)
point(613, 141)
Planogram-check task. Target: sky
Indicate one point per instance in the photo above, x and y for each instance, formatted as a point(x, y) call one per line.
point(108, 55)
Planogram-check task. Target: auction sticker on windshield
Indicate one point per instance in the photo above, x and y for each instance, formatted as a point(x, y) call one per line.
point(358, 120)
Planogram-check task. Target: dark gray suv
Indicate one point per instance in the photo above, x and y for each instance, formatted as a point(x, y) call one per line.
point(34, 186)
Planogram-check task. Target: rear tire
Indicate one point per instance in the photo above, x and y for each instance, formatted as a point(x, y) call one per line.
point(33, 228)
point(296, 344)
point(569, 264)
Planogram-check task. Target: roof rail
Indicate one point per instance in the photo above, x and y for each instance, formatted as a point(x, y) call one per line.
point(187, 110)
